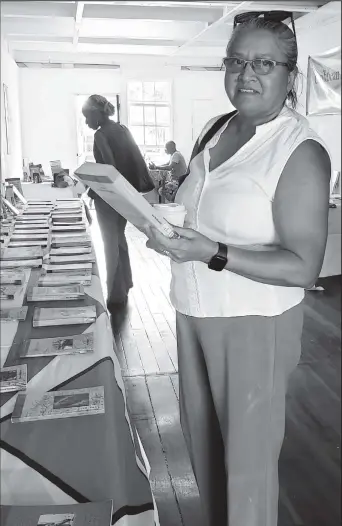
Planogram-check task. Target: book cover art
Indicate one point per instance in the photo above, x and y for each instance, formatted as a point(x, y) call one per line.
point(11, 277)
point(14, 314)
point(63, 293)
point(58, 404)
point(59, 519)
point(13, 378)
point(78, 344)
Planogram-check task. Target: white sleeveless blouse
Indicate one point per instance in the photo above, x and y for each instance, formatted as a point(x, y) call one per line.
point(233, 204)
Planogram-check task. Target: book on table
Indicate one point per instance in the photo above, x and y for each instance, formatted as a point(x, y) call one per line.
point(58, 242)
point(28, 237)
point(48, 317)
point(70, 251)
point(31, 226)
point(32, 263)
point(21, 253)
point(28, 219)
point(35, 405)
point(13, 378)
point(13, 314)
point(11, 277)
point(36, 243)
point(53, 279)
point(69, 228)
point(88, 514)
point(77, 258)
point(107, 182)
point(67, 218)
point(36, 211)
point(61, 293)
point(75, 268)
point(77, 344)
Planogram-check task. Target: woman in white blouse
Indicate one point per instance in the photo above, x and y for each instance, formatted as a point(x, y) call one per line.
point(257, 202)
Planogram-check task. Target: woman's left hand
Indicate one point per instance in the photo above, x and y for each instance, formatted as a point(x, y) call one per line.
point(192, 246)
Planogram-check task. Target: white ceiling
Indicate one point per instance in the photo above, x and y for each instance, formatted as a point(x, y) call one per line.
point(180, 33)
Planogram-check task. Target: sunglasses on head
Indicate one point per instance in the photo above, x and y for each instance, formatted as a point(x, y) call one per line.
point(270, 16)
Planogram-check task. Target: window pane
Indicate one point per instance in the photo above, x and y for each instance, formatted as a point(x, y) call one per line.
point(138, 134)
point(163, 135)
point(135, 91)
point(163, 115)
point(162, 91)
point(136, 114)
point(148, 91)
point(150, 136)
point(150, 115)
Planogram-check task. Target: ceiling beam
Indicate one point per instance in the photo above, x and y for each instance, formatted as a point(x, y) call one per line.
point(227, 13)
point(37, 9)
point(78, 22)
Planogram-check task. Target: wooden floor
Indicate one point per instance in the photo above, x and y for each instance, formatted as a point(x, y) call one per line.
point(310, 459)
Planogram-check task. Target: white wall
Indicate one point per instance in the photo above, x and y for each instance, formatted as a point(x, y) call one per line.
point(320, 32)
point(11, 164)
point(49, 126)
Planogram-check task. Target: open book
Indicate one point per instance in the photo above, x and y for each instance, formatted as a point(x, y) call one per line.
point(113, 188)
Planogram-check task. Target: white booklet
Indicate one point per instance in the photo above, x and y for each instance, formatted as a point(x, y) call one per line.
point(77, 258)
point(14, 314)
point(13, 378)
point(113, 188)
point(36, 405)
point(68, 267)
point(88, 514)
point(63, 293)
point(77, 344)
point(53, 279)
point(21, 253)
point(11, 277)
point(48, 317)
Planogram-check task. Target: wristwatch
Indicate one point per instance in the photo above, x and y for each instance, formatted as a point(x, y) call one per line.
point(219, 261)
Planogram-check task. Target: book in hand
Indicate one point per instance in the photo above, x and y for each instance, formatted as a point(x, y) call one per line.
point(11, 277)
point(63, 293)
point(14, 314)
point(21, 253)
point(75, 268)
point(70, 251)
point(113, 188)
point(32, 263)
point(10, 292)
point(88, 514)
point(53, 279)
point(48, 317)
point(78, 344)
point(13, 378)
point(77, 258)
point(36, 405)
point(71, 241)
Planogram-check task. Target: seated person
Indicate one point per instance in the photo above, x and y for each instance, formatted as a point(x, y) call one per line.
point(177, 168)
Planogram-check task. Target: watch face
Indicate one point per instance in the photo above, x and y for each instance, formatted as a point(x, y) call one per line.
point(217, 263)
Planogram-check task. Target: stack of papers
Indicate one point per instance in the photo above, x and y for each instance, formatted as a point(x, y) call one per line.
point(13, 378)
point(64, 316)
point(15, 314)
point(58, 404)
point(65, 293)
point(78, 344)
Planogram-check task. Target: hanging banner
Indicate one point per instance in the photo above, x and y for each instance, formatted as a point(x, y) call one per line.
point(323, 95)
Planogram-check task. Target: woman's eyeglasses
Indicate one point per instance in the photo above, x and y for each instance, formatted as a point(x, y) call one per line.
point(271, 16)
point(261, 66)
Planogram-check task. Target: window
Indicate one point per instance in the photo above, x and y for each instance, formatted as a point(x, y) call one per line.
point(149, 115)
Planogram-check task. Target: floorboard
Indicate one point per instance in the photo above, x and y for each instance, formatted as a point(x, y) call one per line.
point(309, 467)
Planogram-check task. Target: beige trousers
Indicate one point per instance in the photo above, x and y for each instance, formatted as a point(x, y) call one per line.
point(233, 375)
